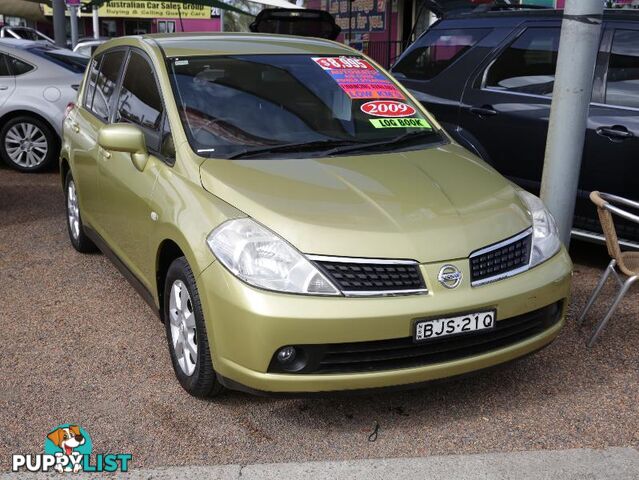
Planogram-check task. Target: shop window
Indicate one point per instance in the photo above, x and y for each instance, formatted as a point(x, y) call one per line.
point(436, 50)
point(528, 64)
point(622, 86)
point(166, 26)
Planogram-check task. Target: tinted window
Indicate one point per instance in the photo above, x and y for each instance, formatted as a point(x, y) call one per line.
point(622, 86)
point(4, 68)
point(436, 50)
point(18, 67)
point(69, 61)
point(528, 64)
point(91, 80)
point(229, 104)
point(140, 101)
point(106, 83)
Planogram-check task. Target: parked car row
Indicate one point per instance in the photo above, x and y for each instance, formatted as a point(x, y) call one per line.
point(37, 82)
point(488, 78)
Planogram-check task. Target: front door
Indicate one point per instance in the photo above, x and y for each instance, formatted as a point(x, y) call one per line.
point(125, 192)
point(611, 153)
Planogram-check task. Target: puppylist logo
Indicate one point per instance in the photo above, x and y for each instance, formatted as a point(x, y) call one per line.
point(68, 448)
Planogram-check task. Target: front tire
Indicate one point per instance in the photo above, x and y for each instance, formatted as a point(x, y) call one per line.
point(186, 332)
point(78, 238)
point(28, 144)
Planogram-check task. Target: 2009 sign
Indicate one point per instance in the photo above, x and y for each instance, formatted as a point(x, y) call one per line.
point(387, 108)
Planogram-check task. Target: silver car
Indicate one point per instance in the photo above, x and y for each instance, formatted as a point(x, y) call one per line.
point(37, 83)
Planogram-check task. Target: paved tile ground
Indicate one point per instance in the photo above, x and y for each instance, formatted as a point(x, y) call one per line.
point(81, 346)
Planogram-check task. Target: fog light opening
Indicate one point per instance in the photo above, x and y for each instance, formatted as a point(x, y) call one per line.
point(286, 355)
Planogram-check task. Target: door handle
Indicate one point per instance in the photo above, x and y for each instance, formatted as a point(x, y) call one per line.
point(4, 87)
point(616, 132)
point(483, 111)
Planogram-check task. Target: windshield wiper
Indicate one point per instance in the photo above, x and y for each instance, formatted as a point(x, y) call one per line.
point(406, 137)
point(295, 147)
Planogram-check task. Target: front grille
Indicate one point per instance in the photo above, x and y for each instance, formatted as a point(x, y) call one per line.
point(360, 277)
point(405, 353)
point(494, 262)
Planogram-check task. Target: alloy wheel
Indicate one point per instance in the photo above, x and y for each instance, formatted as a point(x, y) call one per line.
point(73, 211)
point(183, 329)
point(26, 145)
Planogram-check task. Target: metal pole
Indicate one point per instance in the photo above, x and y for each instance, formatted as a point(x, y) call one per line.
point(73, 17)
point(59, 23)
point(578, 47)
point(96, 22)
point(350, 21)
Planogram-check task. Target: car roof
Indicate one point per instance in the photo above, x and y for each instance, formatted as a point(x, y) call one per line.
point(187, 44)
point(515, 16)
point(21, 43)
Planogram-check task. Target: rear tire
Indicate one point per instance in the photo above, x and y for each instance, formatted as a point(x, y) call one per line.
point(78, 238)
point(186, 332)
point(28, 144)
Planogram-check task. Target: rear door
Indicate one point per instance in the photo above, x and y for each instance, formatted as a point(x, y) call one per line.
point(82, 128)
point(506, 105)
point(7, 80)
point(611, 153)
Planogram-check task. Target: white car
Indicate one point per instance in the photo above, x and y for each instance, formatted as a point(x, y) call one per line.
point(37, 83)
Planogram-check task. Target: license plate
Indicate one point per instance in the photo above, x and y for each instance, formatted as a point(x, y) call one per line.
point(462, 324)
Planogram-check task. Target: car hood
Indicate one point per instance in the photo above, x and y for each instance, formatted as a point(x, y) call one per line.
point(428, 205)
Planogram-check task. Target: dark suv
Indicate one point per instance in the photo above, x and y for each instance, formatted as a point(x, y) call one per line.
point(488, 78)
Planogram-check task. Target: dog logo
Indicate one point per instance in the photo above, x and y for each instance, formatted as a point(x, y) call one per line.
point(70, 441)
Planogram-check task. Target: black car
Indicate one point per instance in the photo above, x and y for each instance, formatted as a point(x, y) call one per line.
point(302, 22)
point(488, 78)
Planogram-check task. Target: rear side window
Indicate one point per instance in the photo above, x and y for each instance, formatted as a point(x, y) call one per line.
point(622, 83)
point(4, 68)
point(106, 83)
point(69, 61)
point(91, 79)
point(436, 50)
point(528, 64)
point(140, 101)
point(18, 67)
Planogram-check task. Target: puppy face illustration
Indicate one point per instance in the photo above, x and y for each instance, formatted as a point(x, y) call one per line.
point(67, 438)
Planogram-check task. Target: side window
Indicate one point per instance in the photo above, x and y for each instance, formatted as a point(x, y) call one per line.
point(91, 79)
point(436, 50)
point(622, 82)
point(4, 68)
point(105, 84)
point(18, 67)
point(528, 64)
point(140, 101)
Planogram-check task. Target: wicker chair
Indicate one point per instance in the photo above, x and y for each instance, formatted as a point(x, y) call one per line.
point(626, 262)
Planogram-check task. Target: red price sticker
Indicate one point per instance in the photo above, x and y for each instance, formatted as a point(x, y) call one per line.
point(387, 108)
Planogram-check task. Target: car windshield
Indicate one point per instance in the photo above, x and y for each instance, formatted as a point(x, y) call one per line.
point(263, 104)
point(70, 61)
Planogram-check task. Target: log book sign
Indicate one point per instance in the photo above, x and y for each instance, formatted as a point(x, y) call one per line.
point(368, 15)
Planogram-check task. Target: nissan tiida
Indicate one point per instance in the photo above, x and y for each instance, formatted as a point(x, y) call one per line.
point(298, 221)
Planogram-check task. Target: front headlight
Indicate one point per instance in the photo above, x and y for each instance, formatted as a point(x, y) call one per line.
point(545, 242)
point(261, 258)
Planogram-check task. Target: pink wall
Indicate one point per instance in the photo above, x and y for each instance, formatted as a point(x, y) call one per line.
point(194, 24)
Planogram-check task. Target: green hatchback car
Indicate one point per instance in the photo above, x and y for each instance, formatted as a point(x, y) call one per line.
point(298, 221)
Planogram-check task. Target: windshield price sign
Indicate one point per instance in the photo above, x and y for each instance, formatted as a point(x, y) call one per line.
point(358, 78)
point(387, 108)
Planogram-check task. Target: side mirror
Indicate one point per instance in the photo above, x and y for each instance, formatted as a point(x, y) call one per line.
point(123, 137)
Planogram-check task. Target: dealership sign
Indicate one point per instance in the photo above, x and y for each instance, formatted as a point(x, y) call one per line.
point(146, 9)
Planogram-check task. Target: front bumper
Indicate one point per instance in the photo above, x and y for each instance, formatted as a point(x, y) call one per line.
point(246, 325)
